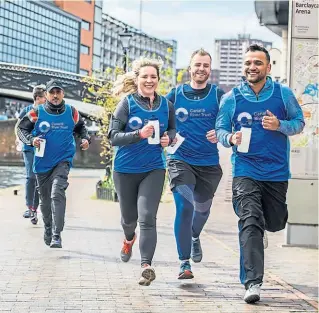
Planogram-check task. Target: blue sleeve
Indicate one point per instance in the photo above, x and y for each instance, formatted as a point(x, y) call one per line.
point(171, 96)
point(224, 119)
point(294, 123)
point(22, 113)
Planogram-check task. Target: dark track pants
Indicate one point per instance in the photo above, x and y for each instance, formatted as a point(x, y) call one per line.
point(260, 206)
point(52, 186)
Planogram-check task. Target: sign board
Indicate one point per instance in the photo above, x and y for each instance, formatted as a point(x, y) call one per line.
point(304, 81)
point(305, 19)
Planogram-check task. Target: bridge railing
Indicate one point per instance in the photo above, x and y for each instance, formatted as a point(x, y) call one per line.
point(25, 77)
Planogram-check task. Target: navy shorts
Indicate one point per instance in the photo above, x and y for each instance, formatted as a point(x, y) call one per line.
point(205, 178)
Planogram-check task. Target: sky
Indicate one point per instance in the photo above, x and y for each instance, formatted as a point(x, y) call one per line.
point(193, 24)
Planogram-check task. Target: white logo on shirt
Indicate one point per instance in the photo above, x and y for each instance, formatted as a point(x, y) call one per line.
point(181, 114)
point(135, 123)
point(245, 119)
point(44, 127)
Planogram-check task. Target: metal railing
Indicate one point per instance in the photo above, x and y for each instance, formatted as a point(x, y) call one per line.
point(24, 77)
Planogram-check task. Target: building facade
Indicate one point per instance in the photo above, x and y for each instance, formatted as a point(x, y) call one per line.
point(39, 34)
point(90, 13)
point(229, 55)
point(140, 44)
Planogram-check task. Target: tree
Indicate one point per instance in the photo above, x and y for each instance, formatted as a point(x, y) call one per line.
point(101, 86)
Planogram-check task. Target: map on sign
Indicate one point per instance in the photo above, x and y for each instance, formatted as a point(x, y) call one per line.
point(304, 83)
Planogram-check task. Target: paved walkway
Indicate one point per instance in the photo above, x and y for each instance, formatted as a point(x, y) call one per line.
point(88, 276)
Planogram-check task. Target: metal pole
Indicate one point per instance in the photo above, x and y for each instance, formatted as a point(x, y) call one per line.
point(124, 60)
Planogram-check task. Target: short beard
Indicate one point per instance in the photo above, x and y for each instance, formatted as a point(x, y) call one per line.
point(59, 102)
point(255, 80)
point(200, 81)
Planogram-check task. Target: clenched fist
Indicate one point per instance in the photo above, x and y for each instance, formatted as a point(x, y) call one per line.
point(211, 136)
point(164, 140)
point(235, 139)
point(270, 121)
point(146, 131)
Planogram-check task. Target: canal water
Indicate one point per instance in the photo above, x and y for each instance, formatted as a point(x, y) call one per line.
point(15, 175)
point(11, 176)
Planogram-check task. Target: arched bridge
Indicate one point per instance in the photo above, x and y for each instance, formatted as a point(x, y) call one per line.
point(17, 82)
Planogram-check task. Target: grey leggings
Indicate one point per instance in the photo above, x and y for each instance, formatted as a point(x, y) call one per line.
point(139, 195)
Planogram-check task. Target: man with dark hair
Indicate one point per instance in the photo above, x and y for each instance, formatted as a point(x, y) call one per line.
point(31, 193)
point(194, 169)
point(49, 128)
point(255, 47)
point(255, 119)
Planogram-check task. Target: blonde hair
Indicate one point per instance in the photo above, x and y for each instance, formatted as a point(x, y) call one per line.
point(200, 52)
point(126, 84)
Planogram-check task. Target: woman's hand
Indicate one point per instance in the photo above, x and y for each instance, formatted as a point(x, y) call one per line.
point(164, 140)
point(146, 131)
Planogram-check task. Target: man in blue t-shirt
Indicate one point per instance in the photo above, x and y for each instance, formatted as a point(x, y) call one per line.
point(31, 193)
point(50, 129)
point(256, 119)
point(194, 169)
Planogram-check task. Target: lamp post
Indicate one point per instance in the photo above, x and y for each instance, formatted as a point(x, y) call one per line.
point(125, 40)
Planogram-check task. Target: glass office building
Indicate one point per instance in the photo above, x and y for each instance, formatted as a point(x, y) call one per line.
point(39, 34)
point(140, 44)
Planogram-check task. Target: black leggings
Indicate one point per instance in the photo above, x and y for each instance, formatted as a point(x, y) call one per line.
point(139, 195)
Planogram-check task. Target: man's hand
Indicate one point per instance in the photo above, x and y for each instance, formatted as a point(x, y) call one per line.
point(211, 136)
point(146, 131)
point(235, 139)
point(164, 140)
point(270, 121)
point(36, 142)
point(85, 144)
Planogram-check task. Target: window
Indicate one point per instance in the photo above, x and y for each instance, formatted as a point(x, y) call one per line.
point(98, 14)
point(96, 63)
point(84, 72)
point(97, 47)
point(99, 3)
point(97, 31)
point(85, 49)
point(85, 25)
point(274, 62)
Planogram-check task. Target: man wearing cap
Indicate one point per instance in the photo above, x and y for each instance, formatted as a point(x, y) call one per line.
point(31, 193)
point(49, 128)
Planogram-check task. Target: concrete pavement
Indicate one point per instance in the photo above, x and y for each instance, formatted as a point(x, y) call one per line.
point(88, 276)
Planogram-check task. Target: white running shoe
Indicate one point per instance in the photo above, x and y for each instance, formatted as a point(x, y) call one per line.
point(252, 294)
point(265, 240)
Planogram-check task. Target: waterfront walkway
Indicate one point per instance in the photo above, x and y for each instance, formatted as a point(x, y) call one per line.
point(87, 274)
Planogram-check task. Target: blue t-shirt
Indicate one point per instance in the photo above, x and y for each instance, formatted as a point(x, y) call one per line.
point(57, 130)
point(142, 157)
point(194, 118)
